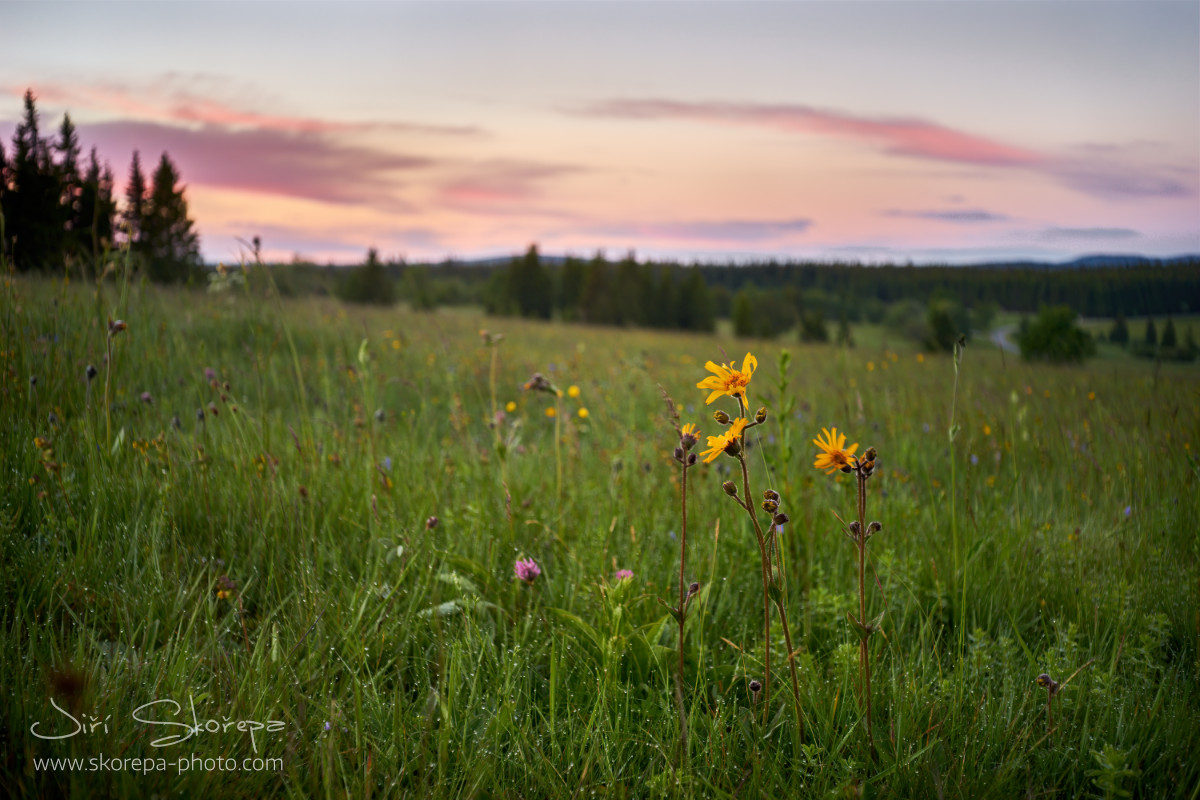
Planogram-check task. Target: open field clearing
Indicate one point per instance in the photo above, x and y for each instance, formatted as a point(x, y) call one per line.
point(308, 517)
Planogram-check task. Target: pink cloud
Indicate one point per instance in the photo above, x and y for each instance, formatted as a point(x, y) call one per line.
point(898, 136)
point(168, 103)
point(741, 231)
point(503, 188)
point(291, 164)
point(1110, 171)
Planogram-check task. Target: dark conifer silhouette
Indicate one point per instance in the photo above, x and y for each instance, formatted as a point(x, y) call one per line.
point(170, 246)
point(135, 204)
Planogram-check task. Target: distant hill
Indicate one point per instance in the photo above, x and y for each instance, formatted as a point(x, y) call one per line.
point(1096, 261)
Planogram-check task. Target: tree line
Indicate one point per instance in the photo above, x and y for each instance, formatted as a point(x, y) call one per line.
point(61, 213)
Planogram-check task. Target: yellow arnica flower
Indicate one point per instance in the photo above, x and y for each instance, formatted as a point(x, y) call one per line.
point(726, 380)
point(510, 406)
point(688, 430)
point(717, 444)
point(583, 413)
point(573, 391)
point(836, 455)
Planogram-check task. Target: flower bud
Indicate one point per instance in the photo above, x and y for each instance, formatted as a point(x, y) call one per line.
point(874, 528)
point(691, 459)
point(755, 687)
point(782, 519)
point(855, 529)
point(771, 494)
point(431, 523)
point(91, 372)
point(760, 416)
point(730, 488)
point(679, 454)
point(721, 417)
point(694, 589)
point(870, 454)
point(770, 506)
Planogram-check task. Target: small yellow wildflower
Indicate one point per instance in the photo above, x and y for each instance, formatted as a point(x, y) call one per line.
point(920, 358)
point(583, 413)
point(572, 391)
point(726, 380)
point(718, 444)
point(987, 430)
point(510, 406)
point(1091, 395)
point(837, 455)
point(550, 412)
point(870, 366)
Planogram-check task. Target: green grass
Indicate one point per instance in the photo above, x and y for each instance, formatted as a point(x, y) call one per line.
point(407, 661)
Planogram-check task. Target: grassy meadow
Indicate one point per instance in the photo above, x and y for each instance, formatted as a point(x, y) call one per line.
point(305, 516)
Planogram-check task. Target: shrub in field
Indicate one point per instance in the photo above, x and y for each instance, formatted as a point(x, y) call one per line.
point(1119, 334)
point(1054, 336)
point(368, 284)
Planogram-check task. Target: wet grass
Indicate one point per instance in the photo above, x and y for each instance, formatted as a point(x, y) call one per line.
point(271, 557)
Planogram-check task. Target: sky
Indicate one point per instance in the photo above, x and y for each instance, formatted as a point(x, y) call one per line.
point(948, 132)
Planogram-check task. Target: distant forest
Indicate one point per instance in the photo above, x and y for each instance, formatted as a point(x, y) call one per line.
point(779, 295)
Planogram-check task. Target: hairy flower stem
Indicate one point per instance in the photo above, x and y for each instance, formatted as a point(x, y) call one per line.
point(107, 381)
point(864, 657)
point(683, 598)
point(765, 554)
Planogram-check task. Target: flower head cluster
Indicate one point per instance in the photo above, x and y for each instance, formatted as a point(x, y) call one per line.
point(726, 442)
point(527, 570)
point(835, 454)
point(727, 381)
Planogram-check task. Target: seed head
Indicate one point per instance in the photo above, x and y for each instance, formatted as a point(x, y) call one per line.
point(91, 372)
point(874, 528)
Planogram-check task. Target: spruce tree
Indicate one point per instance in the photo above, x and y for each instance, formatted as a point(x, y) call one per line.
point(695, 308)
point(94, 231)
point(70, 186)
point(31, 209)
point(597, 304)
point(570, 288)
point(1151, 334)
point(743, 315)
point(171, 247)
point(1168, 337)
point(135, 204)
point(1120, 331)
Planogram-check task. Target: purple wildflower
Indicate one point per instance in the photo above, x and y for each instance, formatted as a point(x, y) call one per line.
point(147, 398)
point(210, 374)
point(1128, 510)
point(622, 574)
point(974, 458)
point(527, 570)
